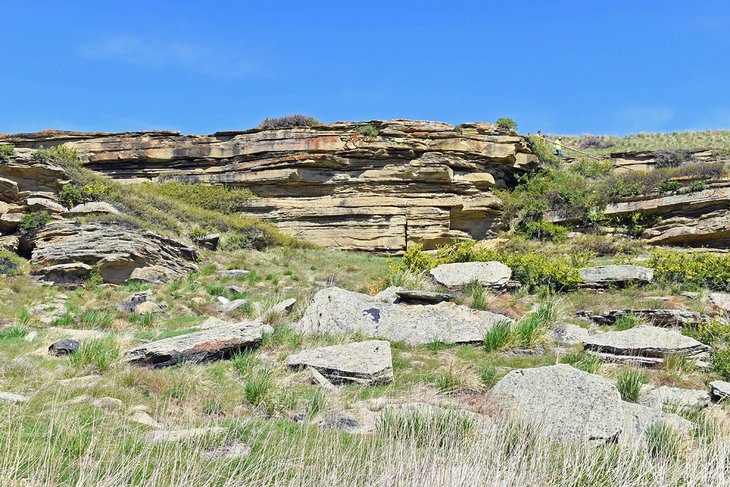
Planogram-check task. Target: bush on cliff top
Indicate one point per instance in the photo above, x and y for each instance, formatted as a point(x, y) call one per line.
point(6, 150)
point(506, 123)
point(289, 121)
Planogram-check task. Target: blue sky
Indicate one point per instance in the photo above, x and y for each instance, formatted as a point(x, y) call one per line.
point(561, 66)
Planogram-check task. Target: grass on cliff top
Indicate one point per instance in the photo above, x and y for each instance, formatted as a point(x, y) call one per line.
point(715, 139)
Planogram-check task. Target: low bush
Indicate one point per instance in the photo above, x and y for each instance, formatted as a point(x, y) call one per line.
point(32, 222)
point(582, 361)
point(6, 151)
point(663, 441)
point(368, 130)
point(543, 230)
point(626, 322)
point(74, 194)
point(98, 354)
point(506, 123)
point(13, 334)
point(628, 383)
point(488, 374)
point(594, 142)
point(289, 121)
point(59, 154)
point(673, 158)
point(215, 197)
point(498, 336)
point(695, 269)
point(258, 386)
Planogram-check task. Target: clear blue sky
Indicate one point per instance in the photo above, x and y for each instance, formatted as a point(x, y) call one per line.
point(560, 66)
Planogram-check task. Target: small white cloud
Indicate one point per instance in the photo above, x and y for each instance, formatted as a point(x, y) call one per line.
point(160, 54)
point(645, 118)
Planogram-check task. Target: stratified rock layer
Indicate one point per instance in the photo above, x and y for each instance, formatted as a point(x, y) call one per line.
point(368, 362)
point(415, 181)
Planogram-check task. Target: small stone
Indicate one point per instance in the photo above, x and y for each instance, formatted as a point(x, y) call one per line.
point(616, 275)
point(233, 289)
point(65, 346)
point(234, 273)
point(283, 307)
point(108, 403)
point(31, 336)
point(147, 307)
point(209, 241)
point(131, 302)
point(720, 301)
point(228, 452)
point(232, 306)
point(142, 417)
point(369, 362)
point(12, 398)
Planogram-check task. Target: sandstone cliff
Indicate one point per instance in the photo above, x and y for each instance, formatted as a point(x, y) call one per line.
point(413, 181)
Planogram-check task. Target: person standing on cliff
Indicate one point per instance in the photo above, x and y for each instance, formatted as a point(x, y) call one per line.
point(558, 144)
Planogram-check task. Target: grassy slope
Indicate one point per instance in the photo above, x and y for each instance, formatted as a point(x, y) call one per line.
point(715, 139)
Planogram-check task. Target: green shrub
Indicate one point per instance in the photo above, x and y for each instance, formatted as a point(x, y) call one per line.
point(32, 222)
point(258, 386)
point(13, 334)
point(368, 130)
point(74, 194)
point(628, 383)
point(6, 151)
point(696, 269)
point(60, 154)
point(543, 230)
point(425, 429)
point(289, 121)
point(488, 374)
point(529, 330)
point(626, 322)
point(506, 124)
point(215, 197)
point(316, 403)
point(721, 361)
point(498, 336)
point(93, 318)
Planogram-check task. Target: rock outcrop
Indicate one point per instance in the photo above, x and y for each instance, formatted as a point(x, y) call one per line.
point(415, 181)
point(675, 397)
point(615, 275)
point(457, 275)
point(369, 362)
point(335, 310)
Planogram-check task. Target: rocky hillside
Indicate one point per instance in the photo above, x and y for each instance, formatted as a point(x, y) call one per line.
point(375, 186)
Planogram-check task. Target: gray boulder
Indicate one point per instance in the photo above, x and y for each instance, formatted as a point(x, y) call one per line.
point(65, 346)
point(656, 317)
point(675, 397)
point(568, 334)
point(283, 307)
point(566, 404)
point(719, 390)
point(202, 346)
point(643, 345)
point(335, 310)
point(11, 397)
point(639, 418)
point(130, 303)
point(616, 275)
point(489, 274)
point(720, 301)
point(369, 362)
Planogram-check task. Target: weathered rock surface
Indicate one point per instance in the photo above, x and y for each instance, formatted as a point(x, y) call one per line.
point(414, 181)
point(719, 390)
point(283, 307)
point(568, 405)
point(72, 273)
point(369, 362)
point(675, 397)
point(456, 275)
point(202, 346)
point(12, 398)
point(568, 334)
point(617, 275)
point(656, 317)
point(115, 250)
point(335, 310)
point(639, 418)
point(645, 345)
point(721, 301)
point(93, 208)
point(130, 303)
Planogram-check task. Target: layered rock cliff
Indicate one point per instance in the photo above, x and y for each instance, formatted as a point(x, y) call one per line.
point(333, 184)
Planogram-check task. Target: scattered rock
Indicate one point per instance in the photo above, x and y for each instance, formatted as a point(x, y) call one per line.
point(489, 274)
point(65, 346)
point(639, 418)
point(233, 289)
point(643, 345)
point(31, 336)
point(665, 396)
point(143, 418)
point(12, 398)
point(209, 241)
point(336, 310)
point(283, 307)
point(108, 403)
point(228, 452)
point(8, 190)
point(720, 301)
point(154, 274)
point(202, 346)
point(234, 273)
point(369, 362)
point(148, 307)
point(320, 380)
point(93, 208)
point(180, 435)
point(719, 390)
point(43, 204)
point(656, 317)
point(130, 303)
point(616, 275)
point(232, 306)
point(568, 334)
point(49, 312)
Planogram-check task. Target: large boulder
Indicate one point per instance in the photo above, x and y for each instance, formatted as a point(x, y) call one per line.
point(571, 406)
point(566, 404)
point(675, 397)
point(335, 310)
point(457, 275)
point(116, 250)
point(202, 346)
point(366, 363)
point(644, 345)
point(615, 275)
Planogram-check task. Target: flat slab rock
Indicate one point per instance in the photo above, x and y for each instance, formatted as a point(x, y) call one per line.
point(202, 346)
point(368, 362)
point(644, 341)
point(719, 390)
point(657, 317)
point(619, 275)
point(665, 396)
point(456, 275)
point(568, 405)
point(568, 334)
point(335, 310)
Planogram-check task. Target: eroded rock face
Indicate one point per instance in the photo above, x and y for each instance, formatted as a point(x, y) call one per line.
point(367, 363)
point(675, 397)
point(335, 310)
point(656, 317)
point(645, 345)
point(415, 181)
point(117, 251)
